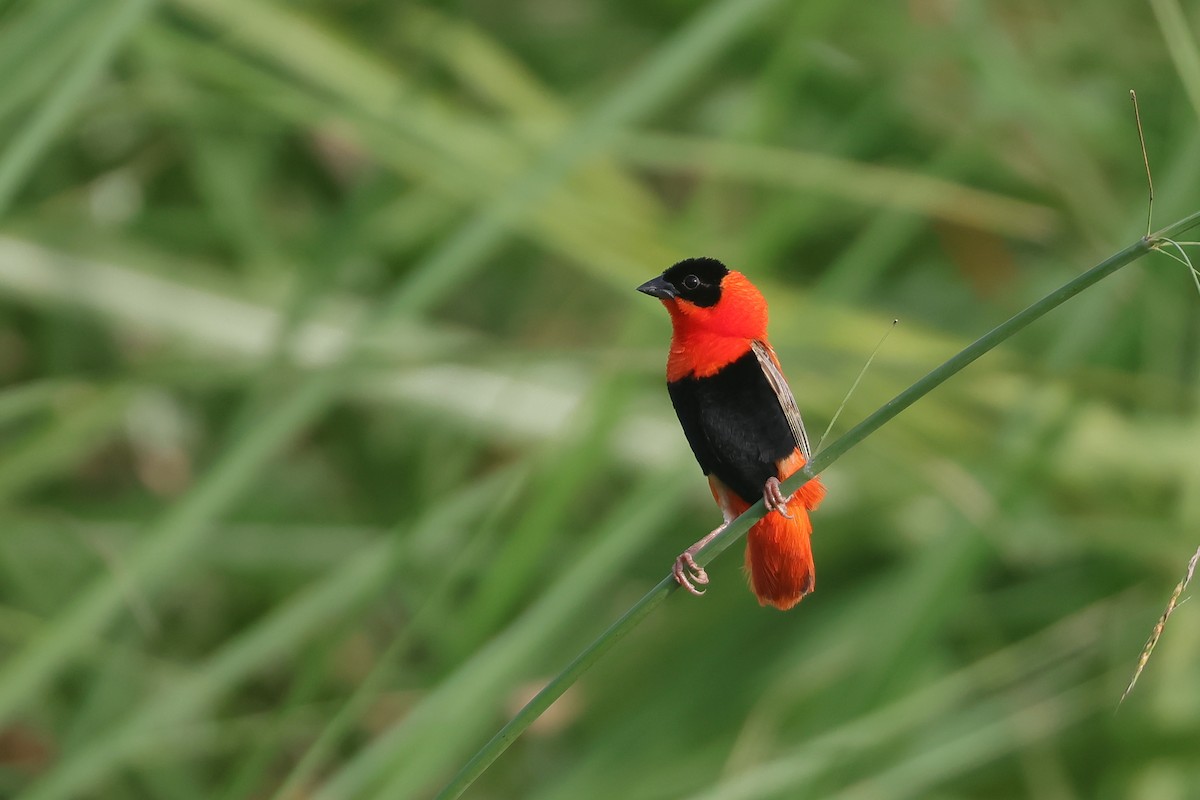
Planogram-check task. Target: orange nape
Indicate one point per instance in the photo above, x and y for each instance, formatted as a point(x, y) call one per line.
point(706, 339)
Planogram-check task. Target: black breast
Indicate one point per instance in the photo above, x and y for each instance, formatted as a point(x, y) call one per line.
point(735, 425)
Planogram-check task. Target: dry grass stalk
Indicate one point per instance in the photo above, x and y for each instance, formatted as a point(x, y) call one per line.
point(1155, 634)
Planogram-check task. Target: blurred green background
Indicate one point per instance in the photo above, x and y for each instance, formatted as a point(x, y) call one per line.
point(332, 426)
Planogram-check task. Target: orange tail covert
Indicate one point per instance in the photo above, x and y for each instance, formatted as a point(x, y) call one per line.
point(779, 559)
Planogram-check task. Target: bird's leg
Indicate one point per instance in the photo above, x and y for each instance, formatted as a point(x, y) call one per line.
point(686, 571)
point(774, 498)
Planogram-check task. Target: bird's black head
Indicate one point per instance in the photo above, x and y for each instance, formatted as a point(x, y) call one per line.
point(696, 280)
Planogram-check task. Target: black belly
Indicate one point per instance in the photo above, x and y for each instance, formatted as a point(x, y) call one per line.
point(735, 425)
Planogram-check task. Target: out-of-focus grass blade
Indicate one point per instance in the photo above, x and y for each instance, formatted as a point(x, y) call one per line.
point(926, 599)
point(199, 315)
point(675, 62)
point(24, 399)
point(1063, 642)
point(474, 158)
point(436, 604)
point(1181, 44)
point(445, 724)
point(561, 484)
point(21, 154)
point(360, 576)
point(82, 422)
point(163, 552)
point(486, 68)
point(864, 183)
point(247, 328)
point(34, 48)
point(1019, 92)
point(53, 537)
point(878, 245)
point(986, 739)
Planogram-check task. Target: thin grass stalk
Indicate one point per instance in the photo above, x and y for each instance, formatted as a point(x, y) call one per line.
point(738, 527)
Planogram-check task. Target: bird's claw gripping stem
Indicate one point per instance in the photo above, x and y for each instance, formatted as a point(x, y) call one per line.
point(688, 573)
point(774, 498)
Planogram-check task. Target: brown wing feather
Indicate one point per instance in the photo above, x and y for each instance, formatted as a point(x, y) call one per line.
point(770, 367)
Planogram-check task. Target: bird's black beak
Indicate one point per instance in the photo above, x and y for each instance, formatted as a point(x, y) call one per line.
point(660, 288)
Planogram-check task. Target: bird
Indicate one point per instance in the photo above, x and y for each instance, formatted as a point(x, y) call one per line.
point(742, 422)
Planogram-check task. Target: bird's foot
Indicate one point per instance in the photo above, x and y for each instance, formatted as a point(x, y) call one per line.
point(688, 573)
point(774, 498)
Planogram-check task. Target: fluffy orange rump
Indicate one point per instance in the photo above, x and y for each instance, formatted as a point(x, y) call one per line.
point(779, 559)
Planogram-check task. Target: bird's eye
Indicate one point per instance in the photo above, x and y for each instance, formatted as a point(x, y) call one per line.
point(691, 282)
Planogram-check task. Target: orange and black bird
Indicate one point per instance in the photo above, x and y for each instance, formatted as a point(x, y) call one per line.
point(741, 420)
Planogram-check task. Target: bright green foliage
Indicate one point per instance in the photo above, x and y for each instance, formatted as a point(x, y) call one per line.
point(332, 426)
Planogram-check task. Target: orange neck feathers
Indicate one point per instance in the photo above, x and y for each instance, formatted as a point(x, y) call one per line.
point(704, 340)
